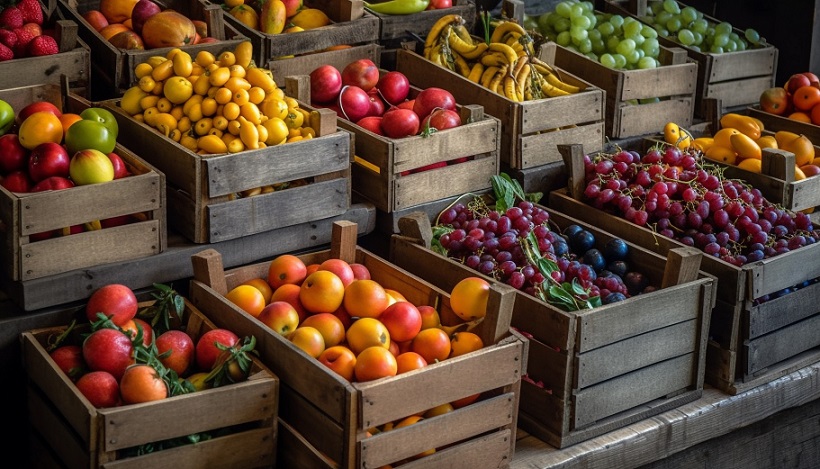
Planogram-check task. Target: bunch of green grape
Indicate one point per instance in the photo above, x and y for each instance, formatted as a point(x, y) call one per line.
point(617, 42)
point(687, 26)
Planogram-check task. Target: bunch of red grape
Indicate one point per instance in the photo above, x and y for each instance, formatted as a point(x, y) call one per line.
point(492, 243)
point(679, 195)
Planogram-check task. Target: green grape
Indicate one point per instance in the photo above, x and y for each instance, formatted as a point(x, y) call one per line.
point(695, 48)
point(625, 47)
point(723, 28)
point(545, 22)
point(593, 20)
point(651, 47)
point(673, 25)
point(649, 32)
point(581, 22)
point(594, 35)
point(576, 11)
point(585, 46)
point(632, 29)
point(730, 46)
point(563, 38)
point(616, 20)
point(607, 60)
point(656, 7)
point(641, 53)
point(720, 40)
point(588, 6)
point(662, 32)
point(752, 36)
point(734, 36)
point(562, 25)
point(741, 45)
point(578, 34)
point(686, 37)
point(638, 39)
point(700, 26)
point(620, 61)
point(592, 56)
point(612, 43)
point(633, 57)
point(649, 100)
point(563, 9)
point(716, 49)
point(688, 15)
point(647, 19)
point(606, 29)
point(663, 17)
point(710, 32)
point(598, 46)
point(671, 6)
point(646, 62)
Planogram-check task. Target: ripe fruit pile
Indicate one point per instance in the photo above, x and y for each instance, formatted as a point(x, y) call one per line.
point(131, 357)
point(509, 242)
point(213, 105)
point(143, 24)
point(362, 331)
point(22, 34)
point(504, 63)
point(381, 104)
point(679, 195)
point(276, 16)
point(613, 40)
point(689, 27)
point(798, 99)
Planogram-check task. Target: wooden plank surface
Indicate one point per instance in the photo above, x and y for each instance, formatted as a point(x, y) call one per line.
point(743, 64)
point(424, 186)
point(740, 92)
point(542, 148)
point(780, 312)
point(641, 119)
point(782, 344)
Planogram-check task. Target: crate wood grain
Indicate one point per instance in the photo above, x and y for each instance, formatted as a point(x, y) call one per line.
point(736, 78)
point(73, 61)
point(350, 25)
point(328, 416)
point(113, 68)
point(201, 187)
point(85, 436)
point(739, 287)
point(395, 185)
point(605, 368)
point(25, 214)
point(393, 29)
point(531, 130)
point(674, 82)
point(774, 122)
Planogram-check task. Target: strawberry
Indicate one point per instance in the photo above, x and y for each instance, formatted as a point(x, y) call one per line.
point(5, 53)
point(33, 28)
point(42, 45)
point(24, 36)
point(11, 18)
point(31, 11)
point(8, 38)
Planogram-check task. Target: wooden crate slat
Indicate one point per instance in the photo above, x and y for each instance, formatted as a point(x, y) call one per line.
point(47, 425)
point(582, 108)
point(774, 122)
point(743, 64)
point(739, 92)
point(646, 118)
point(779, 312)
point(396, 27)
point(486, 451)
point(782, 344)
point(616, 395)
point(542, 148)
point(296, 452)
point(550, 367)
point(660, 82)
point(301, 415)
point(471, 138)
point(461, 178)
point(785, 270)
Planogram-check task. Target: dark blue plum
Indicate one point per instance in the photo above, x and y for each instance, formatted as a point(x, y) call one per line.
point(560, 247)
point(619, 268)
point(613, 298)
point(571, 230)
point(616, 249)
point(581, 242)
point(595, 259)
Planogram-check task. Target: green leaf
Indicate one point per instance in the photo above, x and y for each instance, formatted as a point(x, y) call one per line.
point(560, 297)
point(503, 192)
point(577, 288)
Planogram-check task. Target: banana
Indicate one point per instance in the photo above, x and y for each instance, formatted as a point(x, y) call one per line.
point(475, 72)
point(494, 59)
point(511, 38)
point(543, 67)
point(496, 81)
point(462, 67)
point(522, 80)
point(460, 45)
point(521, 64)
point(439, 26)
point(463, 33)
point(509, 88)
point(479, 50)
point(504, 28)
point(556, 82)
point(488, 75)
point(553, 91)
point(508, 51)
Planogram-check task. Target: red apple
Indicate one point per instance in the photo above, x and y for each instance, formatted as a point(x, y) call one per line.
point(181, 347)
point(796, 81)
point(402, 319)
point(340, 359)
point(115, 221)
point(120, 169)
point(143, 10)
point(47, 160)
point(17, 181)
point(100, 388)
point(362, 73)
point(439, 4)
point(114, 300)
point(775, 101)
point(394, 87)
point(813, 79)
point(43, 235)
point(431, 98)
point(12, 155)
point(430, 166)
point(53, 183)
point(360, 271)
point(280, 316)
point(325, 83)
point(38, 106)
point(371, 123)
point(441, 119)
point(376, 104)
point(207, 352)
point(69, 358)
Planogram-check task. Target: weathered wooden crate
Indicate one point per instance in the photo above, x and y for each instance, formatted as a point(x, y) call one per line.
point(201, 188)
point(774, 122)
point(736, 78)
point(351, 25)
point(531, 130)
point(386, 181)
point(749, 344)
point(25, 214)
point(600, 369)
point(394, 29)
point(83, 436)
point(73, 60)
point(325, 418)
point(113, 68)
point(674, 82)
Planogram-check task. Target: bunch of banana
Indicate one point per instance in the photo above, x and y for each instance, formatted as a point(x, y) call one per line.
point(507, 65)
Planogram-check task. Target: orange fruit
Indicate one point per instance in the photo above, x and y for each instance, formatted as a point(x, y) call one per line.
point(340, 268)
point(330, 326)
point(308, 339)
point(439, 410)
point(67, 119)
point(800, 117)
point(248, 298)
point(465, 401)
point(367, 332)
point(142, 383)
point(767, 141)
point(815, 114)
point(284, 269)
point(464, 342)
point(40, 127)
point(408, 361)
point(322, 292)
point(263, 287)
point(374, 363)
point(805, 98)
point(469, 298)
point(312, 268)
point(340, 359)
point(289, 293)
point(783, 136)
point(365, 299)
point(394, 296)
point(432, 344)
point(799, 175)
point(112, 30)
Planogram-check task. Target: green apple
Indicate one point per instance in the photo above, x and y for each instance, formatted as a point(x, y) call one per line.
point(90, 166)
point(103, 116)
point(6, 117)
point(85, 134)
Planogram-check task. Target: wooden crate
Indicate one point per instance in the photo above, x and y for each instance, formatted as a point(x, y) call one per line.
point(736, 78)
point(83, 436)
point(351, 25)
point(201, 188)
point(73, 60)
point(394, 29)
point(25, 214)
point(531, 130)
point(604, 368)
point(732, 363)
point(113, 68)
point(325, 417)
point(393, 187)
point(674, 82)
point(774, 122)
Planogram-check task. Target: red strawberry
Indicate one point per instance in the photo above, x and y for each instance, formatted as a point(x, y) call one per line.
point(33, 28)
point(11, 18)
point(31, 11)
point(24, 36)
point(5, 53)
point(42, 45)
point(8, 38)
